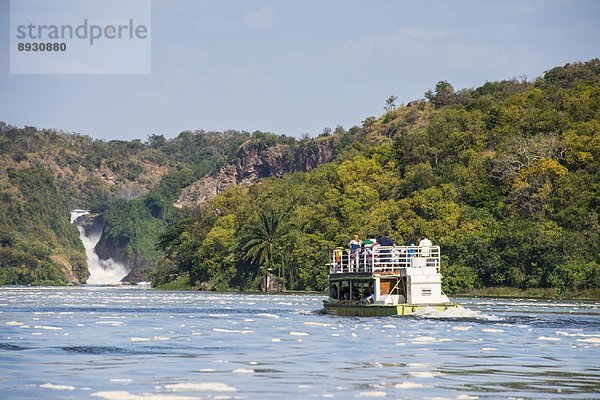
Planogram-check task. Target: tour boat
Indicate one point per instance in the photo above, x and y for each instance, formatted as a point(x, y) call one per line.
point(385, 280)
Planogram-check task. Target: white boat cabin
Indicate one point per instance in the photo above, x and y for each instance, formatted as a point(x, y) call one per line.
point(386, 275)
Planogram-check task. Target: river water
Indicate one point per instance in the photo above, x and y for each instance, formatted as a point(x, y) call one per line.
point(127, 343)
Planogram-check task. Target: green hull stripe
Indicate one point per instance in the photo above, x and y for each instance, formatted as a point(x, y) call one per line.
point(381, 310)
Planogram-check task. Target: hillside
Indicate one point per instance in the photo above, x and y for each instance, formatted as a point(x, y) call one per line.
point(44, 174)
point(504, 176)
point(130, 187)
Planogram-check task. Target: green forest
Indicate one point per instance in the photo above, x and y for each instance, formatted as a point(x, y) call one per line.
point(504, 177)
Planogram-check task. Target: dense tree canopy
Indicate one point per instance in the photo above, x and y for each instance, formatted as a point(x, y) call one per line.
point(505, 177)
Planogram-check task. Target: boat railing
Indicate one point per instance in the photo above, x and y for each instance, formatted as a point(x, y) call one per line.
point(383, 259)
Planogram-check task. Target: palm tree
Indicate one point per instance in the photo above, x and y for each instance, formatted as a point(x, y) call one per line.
point(260, 242)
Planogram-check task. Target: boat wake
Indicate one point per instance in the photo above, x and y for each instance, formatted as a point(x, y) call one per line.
point(455, 313)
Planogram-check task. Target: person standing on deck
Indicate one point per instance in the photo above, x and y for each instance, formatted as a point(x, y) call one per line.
point(368, 245)
point(385, 241)
point(425, 246)
point(354, 246)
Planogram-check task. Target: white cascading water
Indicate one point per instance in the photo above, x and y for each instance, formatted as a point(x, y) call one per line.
point(102, 272)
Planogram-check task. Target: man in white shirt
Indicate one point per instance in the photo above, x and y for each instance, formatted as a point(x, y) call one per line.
point(425, 246)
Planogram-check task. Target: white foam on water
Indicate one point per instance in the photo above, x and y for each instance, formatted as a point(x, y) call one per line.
point(408, 385)
point(206, 370)
point(389, 326)
point(295, 333)
point(549, 338)
point(121, 380)
point(200, 387)
point(139, 339)
point(316, 323)
point(456, 313)
point(57, 387)
point(461, 328)
point(218, 315)
point(489, 349)
point(264, 315)
point(243, 332)
point(51, 328)
point(467, 397)
point(372, 394)
point(304, 386)
point(423, 339)
point(275, 340)
point(578, 334)
point(425, 374)
point(243, 371)
point(122, 395)
point(595, 340)
point(492, 330)
point(14, 323)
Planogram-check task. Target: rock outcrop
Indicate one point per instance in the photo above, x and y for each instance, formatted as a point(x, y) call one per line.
point(255, 162)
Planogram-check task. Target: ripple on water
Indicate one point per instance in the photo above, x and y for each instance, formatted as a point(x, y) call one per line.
point(200, 387)
point(122, 395)
point(594, 340)
point(371, 394)
point(242, 332)
point(57, 387)
point(482, 356)
point(294, 333)
point(243, 371)
point(408, 385)
point(549, 338)
point(266, 315)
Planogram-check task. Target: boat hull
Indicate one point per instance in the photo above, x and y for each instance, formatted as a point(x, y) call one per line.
point(380, 310)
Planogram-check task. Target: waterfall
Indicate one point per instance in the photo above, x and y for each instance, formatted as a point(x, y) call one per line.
point(102, 272)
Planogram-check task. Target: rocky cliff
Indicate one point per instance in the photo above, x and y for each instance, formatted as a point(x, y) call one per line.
point(257, 161)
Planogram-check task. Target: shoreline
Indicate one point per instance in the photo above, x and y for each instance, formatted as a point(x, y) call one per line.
point(490, 292)
point(531, 293)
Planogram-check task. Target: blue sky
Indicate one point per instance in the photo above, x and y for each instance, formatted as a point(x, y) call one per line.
point(294, 67)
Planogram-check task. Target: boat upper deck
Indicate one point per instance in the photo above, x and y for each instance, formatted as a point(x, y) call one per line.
point(383, 259)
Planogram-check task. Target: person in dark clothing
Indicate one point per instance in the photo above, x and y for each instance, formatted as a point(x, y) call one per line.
point(384, 240)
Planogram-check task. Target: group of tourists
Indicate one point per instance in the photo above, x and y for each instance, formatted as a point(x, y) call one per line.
point(358, 247)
